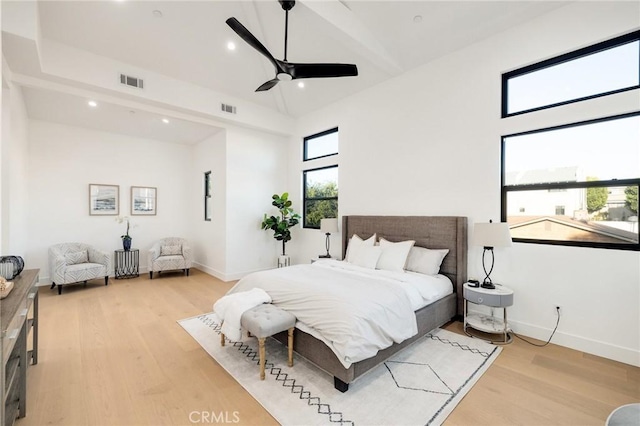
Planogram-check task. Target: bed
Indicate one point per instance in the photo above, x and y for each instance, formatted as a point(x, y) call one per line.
point(433, 232)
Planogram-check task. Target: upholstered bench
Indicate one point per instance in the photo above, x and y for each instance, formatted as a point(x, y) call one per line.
point(266, 320)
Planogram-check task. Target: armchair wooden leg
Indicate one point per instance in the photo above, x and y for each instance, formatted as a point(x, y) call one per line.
point(187, 271)
point(150, 275)
point(106, 280)
point(53, 285)
point(59, 289)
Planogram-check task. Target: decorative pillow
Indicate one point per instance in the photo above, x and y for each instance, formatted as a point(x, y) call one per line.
point(76, 257)
point(367, 256)
point(170, 250)
point(355, 243)
point(425, 261)
point(394, 255)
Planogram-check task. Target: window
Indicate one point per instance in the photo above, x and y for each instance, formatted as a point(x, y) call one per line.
point(320, 195)
point(602, 69)
point(578, 183)
point(321, 145)
point(207, 196)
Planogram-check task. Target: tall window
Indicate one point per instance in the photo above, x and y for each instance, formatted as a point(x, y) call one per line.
point(599, 70)
point(207, 196)
point(320, 195)
point(575, 184)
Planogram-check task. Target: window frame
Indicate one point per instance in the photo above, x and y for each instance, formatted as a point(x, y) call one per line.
point(505, 189)
point(306, 139)
point(207, 195)
point(567, 57)
point(305, 198)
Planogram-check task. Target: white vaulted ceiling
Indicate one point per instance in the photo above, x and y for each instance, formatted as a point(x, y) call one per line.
point(188, 41)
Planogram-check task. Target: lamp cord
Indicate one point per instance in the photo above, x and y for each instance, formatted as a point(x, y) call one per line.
point(536, 344)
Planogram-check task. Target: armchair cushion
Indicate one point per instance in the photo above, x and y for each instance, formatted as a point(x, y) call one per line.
point(73, 258)
point(170, 250)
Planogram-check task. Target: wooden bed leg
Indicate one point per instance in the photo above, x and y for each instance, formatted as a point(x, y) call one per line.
point(340, 385)
point(221, 339)
point(261, 350)
point(290, 346)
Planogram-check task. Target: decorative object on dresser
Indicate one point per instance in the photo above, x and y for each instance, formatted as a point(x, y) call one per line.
point(499, 297)
point(71, 263)
point(126, 264)
point(328, 226)
point(18, 333)
point(104, 200)
point(281, 225)
point(490, 235)
point(5, 287)
point(168, 254)
point(11, 266)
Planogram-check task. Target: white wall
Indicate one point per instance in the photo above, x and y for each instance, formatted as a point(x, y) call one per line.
point(428, 143)
point(64, 160)
point(14, 173)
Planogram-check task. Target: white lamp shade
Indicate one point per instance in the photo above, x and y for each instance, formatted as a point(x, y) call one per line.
point(492, 235)
point(329, 226)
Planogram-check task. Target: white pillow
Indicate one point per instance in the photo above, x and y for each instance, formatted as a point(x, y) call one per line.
point(355, 243)
point(170, 250)
point(425, 261)
point(394, 255)
point(367, 256)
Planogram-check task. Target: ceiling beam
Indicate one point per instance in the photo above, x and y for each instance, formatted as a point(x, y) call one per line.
point(344, 20)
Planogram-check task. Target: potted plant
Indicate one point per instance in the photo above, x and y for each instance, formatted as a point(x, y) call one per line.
point(281, 225)
point(126, 238)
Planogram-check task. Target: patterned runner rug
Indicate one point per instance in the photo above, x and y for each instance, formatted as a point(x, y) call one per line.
point(419, 386)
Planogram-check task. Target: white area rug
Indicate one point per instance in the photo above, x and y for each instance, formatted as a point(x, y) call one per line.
point(419, 386)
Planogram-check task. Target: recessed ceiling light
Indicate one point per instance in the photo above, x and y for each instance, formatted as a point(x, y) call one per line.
point(301, 84)
point(417, 19)
point(92, 104)
point(231, 46)
point(157, 13)
point(165, 121)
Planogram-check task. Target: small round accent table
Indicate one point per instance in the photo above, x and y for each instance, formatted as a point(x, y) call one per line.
point(127, 263)
point(500, 297)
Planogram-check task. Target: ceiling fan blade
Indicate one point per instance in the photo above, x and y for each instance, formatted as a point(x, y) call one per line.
point(320, 70)
point(251, 40)
point(268, 85)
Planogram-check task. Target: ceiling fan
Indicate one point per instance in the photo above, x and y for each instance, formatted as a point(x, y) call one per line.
point(287, 71)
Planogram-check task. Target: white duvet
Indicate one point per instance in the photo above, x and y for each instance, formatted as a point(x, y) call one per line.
point(355, 311)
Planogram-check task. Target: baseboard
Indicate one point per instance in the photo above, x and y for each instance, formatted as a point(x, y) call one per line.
point(591, 346)
point(222, 276)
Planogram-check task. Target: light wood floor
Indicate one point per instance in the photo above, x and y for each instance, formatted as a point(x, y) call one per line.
point(116, 356)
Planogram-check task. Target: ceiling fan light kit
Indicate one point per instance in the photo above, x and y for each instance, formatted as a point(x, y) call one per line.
point(287, 71)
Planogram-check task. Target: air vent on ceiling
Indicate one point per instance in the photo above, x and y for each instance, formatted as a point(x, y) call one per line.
point(228, 108)
point(131, 81)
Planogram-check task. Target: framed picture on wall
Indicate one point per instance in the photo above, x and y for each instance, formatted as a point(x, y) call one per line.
point(104, 200)
point(143, 201)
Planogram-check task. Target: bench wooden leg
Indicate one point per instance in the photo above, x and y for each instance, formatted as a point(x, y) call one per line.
point(221, 339)
point(262, 356)
point(290, 346)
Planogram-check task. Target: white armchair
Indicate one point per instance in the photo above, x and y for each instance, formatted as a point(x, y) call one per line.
point(77, 262)
point(170, 254)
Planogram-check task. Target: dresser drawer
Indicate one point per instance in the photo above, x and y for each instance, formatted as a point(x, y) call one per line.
point(13, 332)
point(488, 299)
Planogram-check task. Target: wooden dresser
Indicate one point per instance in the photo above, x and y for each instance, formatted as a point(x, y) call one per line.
point(18, 344)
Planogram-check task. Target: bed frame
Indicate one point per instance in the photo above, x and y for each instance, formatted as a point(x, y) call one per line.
point(435, 232)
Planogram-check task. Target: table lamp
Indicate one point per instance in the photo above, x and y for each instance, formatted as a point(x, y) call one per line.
point(328, 226)
point(490, 235)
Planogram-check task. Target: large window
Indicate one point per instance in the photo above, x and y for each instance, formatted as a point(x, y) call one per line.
point(602, 69)
point(321, 145)
point(575, 184)
point(320, 195)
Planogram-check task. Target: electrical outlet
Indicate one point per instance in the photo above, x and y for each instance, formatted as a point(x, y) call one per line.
point(558, 310)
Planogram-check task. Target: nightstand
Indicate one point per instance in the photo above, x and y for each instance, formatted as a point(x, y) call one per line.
point(500, 297)
point(126, 264)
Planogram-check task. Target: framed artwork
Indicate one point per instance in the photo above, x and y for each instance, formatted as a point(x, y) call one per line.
point(104, 200)
point(143, 201)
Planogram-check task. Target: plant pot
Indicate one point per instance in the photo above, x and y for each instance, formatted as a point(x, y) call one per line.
point(126, 244)
point(284, 261)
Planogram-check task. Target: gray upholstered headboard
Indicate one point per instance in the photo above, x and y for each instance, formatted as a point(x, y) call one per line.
point(434, 232)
